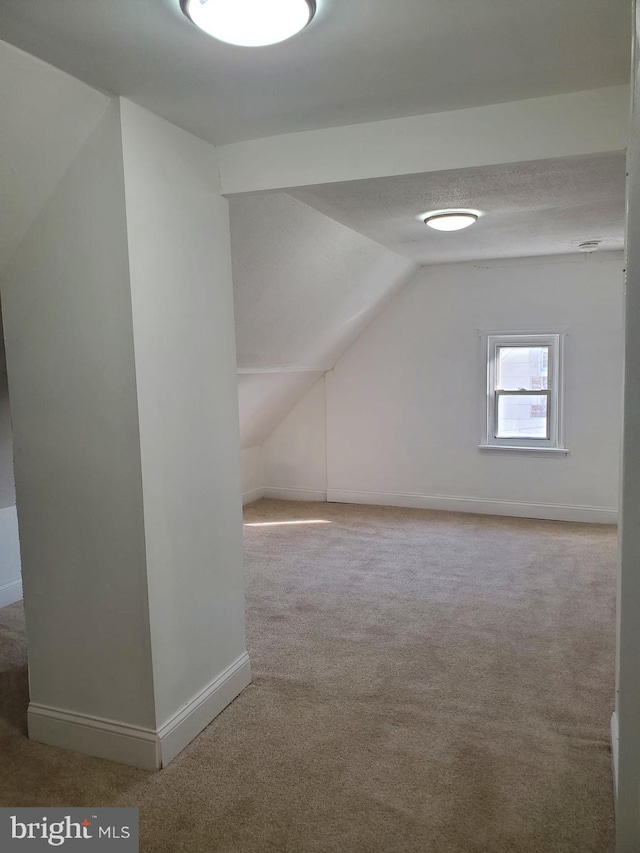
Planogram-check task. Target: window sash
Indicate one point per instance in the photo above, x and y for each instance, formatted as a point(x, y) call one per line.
point(553, 392)
point(499, 392)
point(528, 345)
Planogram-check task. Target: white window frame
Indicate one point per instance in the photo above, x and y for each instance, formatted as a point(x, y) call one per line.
point(553, 443)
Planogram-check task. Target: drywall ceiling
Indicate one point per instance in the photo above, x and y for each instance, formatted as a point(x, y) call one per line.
point(46, 118)
point(361, 60)
point(533, 208)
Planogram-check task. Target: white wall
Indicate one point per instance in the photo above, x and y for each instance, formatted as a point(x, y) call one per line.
point(305, 287)
point(47, 116)
point(118, 311)
point(10, 581)
point(252, 474)
point(404, 404)
point(7, 485)
point(266, 397)
point(67, 315)
point(295, 453)
point(182, 298)
point(625, 722)
point(292, 463)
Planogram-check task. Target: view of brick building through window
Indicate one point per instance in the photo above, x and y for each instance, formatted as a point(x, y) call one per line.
point(522, 368)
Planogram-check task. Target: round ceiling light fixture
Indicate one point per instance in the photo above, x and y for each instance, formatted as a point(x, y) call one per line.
point(450, 220)
point(250, 23)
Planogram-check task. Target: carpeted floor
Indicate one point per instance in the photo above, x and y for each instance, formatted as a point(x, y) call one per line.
point(423, 683)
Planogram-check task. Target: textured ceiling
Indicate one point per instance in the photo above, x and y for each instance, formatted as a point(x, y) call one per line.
point(361, 60)
point(533, 208)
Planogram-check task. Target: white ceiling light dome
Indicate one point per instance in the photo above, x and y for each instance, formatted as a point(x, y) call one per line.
point(450, 220)
point(250, 23)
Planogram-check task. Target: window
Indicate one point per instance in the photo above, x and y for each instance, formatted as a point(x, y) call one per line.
point(524, 385)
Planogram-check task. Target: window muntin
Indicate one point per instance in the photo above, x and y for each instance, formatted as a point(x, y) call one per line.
point(523, 391)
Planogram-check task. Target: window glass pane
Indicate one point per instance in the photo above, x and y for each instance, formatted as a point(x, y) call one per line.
point(522, 368)
point(522, 416)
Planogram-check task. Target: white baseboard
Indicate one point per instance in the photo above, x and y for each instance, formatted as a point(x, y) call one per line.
point(135, 745)
point(10, 593)
point(553, 512)
point(181, 729)
point(252, 495)
point(284, 494)
point(614, 754)
point(95, 736)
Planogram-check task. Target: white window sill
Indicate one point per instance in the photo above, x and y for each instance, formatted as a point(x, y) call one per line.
point(511, 448)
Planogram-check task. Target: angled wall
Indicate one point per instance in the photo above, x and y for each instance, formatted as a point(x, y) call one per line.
point(304, 285)
point(118, 316)
point(47, 116)
point(182, 319)
point(70, 357)
point(265, 398)
point(252, 474)
point(304, 289)
point(295, 457)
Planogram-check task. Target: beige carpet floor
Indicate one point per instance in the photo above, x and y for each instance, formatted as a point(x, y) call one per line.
point(423, 682)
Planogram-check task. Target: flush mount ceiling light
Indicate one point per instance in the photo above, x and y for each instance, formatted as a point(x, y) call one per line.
point(250, 23)
point(450, 220)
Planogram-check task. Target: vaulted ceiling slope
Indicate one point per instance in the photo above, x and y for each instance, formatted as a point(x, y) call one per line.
point(358, 61)
point(305, 287)
point(265, 399)
point(46, 118)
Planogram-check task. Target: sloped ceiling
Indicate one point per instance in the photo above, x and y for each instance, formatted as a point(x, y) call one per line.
point(46, 118)
point(304, 287)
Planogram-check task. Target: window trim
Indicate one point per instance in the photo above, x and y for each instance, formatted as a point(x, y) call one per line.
point(554, 442)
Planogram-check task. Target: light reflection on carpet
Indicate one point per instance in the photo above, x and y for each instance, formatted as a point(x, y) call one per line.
point(278, 523)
